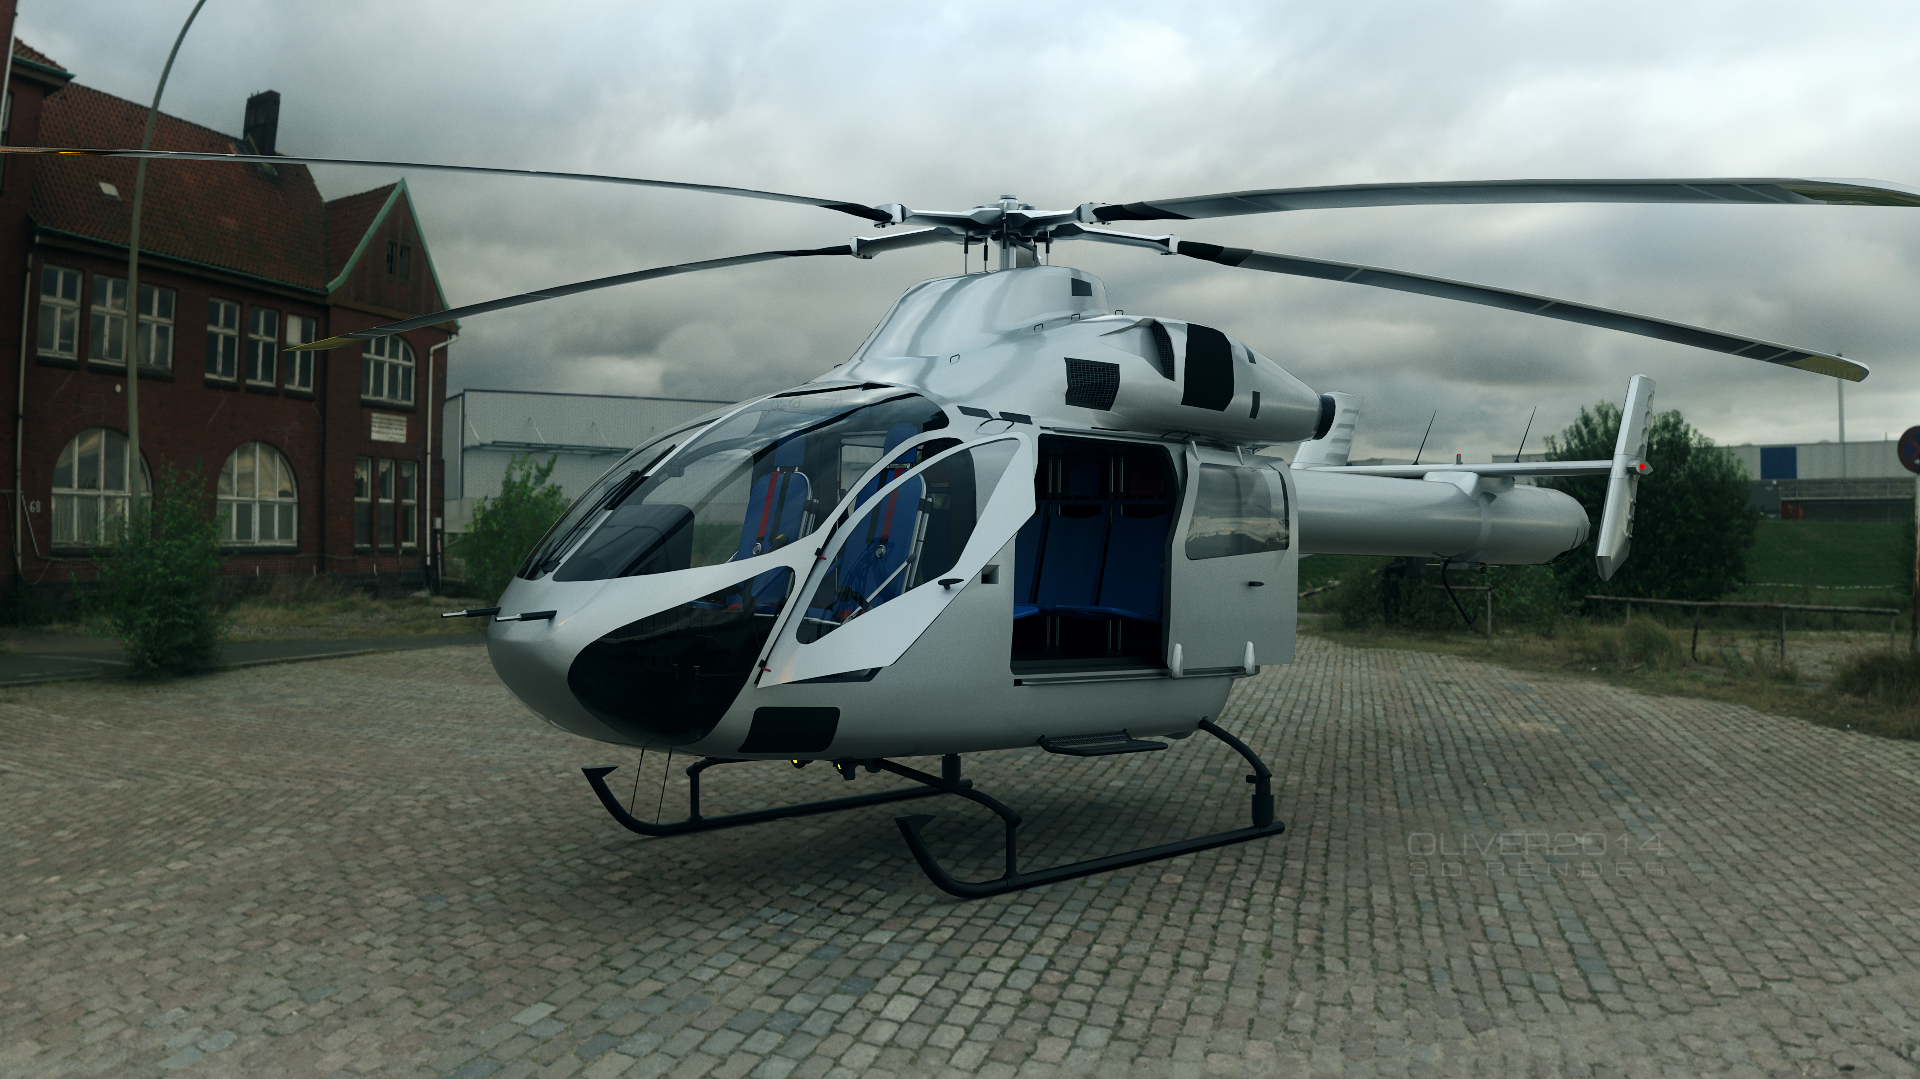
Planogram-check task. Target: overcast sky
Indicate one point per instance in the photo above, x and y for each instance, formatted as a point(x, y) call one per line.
point(944, 106)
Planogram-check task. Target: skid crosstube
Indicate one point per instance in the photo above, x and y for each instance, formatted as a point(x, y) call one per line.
point(949, 782)
point(696, 823)
point(1013, 880)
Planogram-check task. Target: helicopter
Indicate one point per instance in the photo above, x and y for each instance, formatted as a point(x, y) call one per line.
point(1018, 516)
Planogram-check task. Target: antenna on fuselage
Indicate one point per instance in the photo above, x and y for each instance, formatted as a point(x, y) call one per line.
point(1423, 438)
point(1525, 433)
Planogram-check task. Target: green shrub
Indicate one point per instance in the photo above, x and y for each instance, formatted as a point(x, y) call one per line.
point(157, 581)
point(1532, 597)
point(1648, 644)
point(1882, 677)
point(1643, 644)
point(506, 528)
point(1406, 594)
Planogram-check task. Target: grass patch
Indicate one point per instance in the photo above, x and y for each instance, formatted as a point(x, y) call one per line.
point(312, 608)
point(1871, 690)
point(1832, 554)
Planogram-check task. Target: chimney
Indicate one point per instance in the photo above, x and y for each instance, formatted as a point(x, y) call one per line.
point(263, 121)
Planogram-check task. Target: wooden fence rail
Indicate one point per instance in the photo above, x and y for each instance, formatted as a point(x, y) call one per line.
point(1892, 613)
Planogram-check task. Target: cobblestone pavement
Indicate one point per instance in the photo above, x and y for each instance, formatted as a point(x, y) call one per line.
point(383, 866)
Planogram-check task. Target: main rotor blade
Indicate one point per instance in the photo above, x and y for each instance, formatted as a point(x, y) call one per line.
point(1526, 303)
point(862, 247)
point(856, 209)
point(1790, 192)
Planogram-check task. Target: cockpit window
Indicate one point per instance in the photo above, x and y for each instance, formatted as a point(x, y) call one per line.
point(607, 487)
point(751, 483)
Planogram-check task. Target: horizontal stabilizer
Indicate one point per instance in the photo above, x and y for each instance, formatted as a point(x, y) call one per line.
point(1519, 468)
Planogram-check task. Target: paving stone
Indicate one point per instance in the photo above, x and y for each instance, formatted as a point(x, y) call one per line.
point(385, 866)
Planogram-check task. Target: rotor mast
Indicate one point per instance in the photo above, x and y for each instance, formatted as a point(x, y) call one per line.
point(1009, 242)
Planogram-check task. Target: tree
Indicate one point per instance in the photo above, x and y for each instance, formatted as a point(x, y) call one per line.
point(505, 528)
point(1692, 527)
point(158, 579)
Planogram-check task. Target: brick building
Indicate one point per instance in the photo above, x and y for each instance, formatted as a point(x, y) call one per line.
point(325, 462)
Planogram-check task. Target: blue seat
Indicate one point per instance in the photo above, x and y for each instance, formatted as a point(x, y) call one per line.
point(776, 516)
point(777, 503)
point(1136, 552)
point(896, 434)
point(1026, 560)
point(1076, 534)
point(874, 559)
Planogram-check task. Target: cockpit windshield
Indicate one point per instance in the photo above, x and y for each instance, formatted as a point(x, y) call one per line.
point(748, 484)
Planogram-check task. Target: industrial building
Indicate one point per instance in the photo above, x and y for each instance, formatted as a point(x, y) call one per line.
point(582, 433)
point(1830, 481)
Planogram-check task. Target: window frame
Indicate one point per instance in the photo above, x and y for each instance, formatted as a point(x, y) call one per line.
point(407, 505)
point(299, 365)
point(1220, 522)
point(52, 305)
point(106, 323)
point(230, 499)
point(387, 366)
point(386, 536)
point(108, 502)
point(151, 325)
point(263, 348)
point(223, 339)
point(363, 504)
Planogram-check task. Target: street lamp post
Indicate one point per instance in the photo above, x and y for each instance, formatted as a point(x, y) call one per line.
point(134, 485)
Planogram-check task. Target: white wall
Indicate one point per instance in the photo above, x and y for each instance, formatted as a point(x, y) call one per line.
point(584, 435)
point(1821, 460)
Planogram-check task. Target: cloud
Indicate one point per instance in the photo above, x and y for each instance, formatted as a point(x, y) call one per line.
point(945, 105)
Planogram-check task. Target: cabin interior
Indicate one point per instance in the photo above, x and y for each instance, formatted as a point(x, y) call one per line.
point(1090, 565)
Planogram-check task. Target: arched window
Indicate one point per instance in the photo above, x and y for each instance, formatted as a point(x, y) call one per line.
point(90, 487)
point(258, 501)
point(386, 370)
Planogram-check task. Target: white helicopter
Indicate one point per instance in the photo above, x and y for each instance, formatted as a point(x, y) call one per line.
point(1017, 516)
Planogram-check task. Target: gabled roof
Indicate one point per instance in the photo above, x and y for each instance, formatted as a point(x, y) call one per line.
point(233, 217)
point(27, 56)
point(350, 223)
point(354, 221)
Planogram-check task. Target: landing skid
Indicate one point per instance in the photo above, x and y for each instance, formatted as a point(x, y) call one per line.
point(949, 782)
point(1013, 880)
point(697, 823)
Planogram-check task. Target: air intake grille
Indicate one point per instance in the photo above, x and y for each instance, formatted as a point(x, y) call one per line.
point(1163, 342)
point(1092, 383)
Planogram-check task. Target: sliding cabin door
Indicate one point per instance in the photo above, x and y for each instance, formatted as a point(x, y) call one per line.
point(1232, 601)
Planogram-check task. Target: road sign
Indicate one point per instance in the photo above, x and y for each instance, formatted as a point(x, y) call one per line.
point(1910, 449)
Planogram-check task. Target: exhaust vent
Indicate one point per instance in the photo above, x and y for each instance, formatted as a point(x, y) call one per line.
point(1209, 369)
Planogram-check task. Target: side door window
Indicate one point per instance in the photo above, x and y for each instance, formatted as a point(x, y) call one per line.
point(878, 581)
point(1232, 568)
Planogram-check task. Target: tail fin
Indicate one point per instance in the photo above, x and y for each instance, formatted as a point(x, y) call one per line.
point(1629, 464)
point(1331, 449)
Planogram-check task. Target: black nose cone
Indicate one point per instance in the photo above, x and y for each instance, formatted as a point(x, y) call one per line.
point(669, 677)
